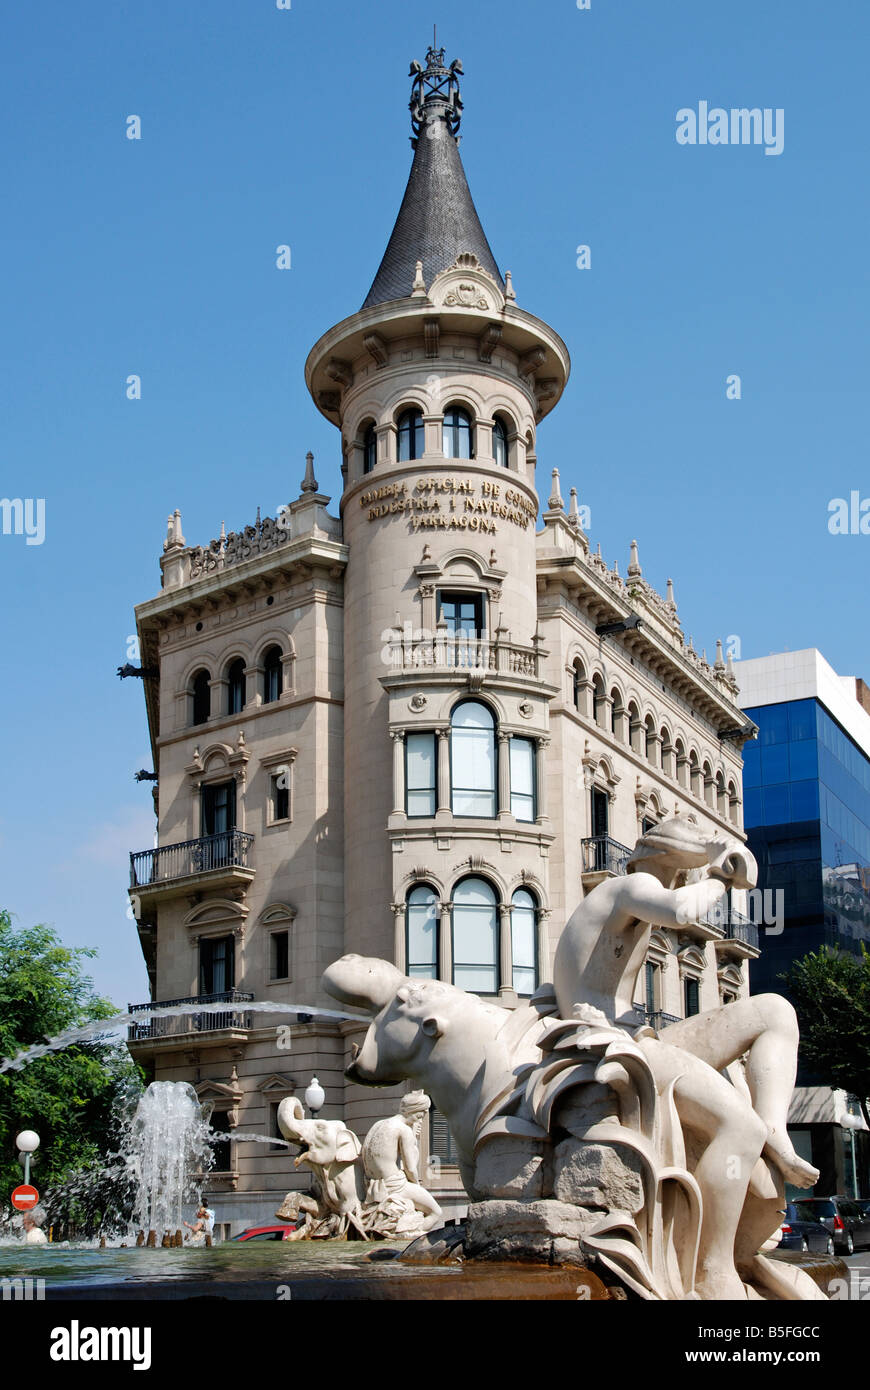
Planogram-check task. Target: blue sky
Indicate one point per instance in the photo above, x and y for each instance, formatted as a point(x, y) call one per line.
point(262, 127)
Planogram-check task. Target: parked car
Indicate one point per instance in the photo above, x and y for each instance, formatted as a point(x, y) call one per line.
point(277, 1232)
point(802, 1229)
point(848, 1223)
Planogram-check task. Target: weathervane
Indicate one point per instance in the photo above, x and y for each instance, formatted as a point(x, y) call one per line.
point(439, 82)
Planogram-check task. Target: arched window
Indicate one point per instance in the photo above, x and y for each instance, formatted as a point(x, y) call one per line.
point(667, 751)
point(579, 686)
point(411, 436)
point(370, 449)
point(421, 933)
point(599, 704)
point(524, 941)
point(709, 792)
point(615, 711)
point(458, 436)
point(273, 675)
point(473, 760)
point(201, 697)
point(500, 442)
point(681, 761)
point(475, 937)
point(649, 735)
point(236, 687)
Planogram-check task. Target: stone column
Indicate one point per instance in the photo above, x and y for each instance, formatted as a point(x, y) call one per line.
point(504, 776)
point(443, 755)
point(399, 937)
point(541, 780)
point(505, 950)
point(398, 737)
point(445, 944)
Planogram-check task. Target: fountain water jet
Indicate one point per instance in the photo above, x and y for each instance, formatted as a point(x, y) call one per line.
point(167, 1147)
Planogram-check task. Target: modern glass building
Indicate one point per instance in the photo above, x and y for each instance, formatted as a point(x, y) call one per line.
point(806, 784)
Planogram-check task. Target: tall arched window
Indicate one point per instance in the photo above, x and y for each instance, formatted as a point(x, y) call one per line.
point(524, 941)
point(273, 675)
point(421, 933)
point(473, 760)
point(475, 936)
point(201, 697)
point(458, 438)
point(500, 442)
point(236, 687)
point(411, 436)
point(370, 449)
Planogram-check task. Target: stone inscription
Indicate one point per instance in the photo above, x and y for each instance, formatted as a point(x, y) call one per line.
point(450, 504)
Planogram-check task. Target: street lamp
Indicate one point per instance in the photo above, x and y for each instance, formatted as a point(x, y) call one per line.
point(314, 1095)
point(27, 1142)
point(851, 1123)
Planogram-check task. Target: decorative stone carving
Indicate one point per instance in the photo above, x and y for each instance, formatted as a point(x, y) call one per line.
point(362, 1192)
point(635, 1149)
point(418, 702)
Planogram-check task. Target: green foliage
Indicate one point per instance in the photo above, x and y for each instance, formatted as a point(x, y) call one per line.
point(831, 992)
point(69, 1096)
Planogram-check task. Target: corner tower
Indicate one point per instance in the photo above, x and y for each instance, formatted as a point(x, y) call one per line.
point(437, 385)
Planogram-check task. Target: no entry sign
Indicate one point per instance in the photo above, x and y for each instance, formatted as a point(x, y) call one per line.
point(25, 1197)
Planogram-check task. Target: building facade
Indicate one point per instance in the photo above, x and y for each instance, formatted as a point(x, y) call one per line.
point(421, 729)
point(807, 816)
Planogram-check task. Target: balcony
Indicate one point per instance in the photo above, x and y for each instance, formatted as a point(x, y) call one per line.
point(654, 1018)
point(414, 652)
point(739, 936)
point(228, 1022)
point(602, 858)
point(214, 861)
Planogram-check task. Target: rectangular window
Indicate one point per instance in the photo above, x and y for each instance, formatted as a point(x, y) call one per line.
point(522, 752)
point(653, 991)
point(441, 1143)
point(463, 614)
point(273, 1128)
point(524, 947)
point(281, 795)
point(692, 990)
point(220, 1121)
point(600, 813)
point(219, 808)
point(217, 964)
point(279, 953)
point(420, 774)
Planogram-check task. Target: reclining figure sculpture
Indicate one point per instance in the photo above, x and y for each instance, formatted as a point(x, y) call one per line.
point(566, 1099)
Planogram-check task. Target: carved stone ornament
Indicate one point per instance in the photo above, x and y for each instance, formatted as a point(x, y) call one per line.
point(526, 709)
point(468, 296)
point(418, 702)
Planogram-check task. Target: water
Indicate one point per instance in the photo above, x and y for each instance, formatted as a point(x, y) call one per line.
point(168, 1145)
point(102, 1030)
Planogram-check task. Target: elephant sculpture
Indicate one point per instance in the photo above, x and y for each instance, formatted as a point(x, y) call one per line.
point(331, 1151)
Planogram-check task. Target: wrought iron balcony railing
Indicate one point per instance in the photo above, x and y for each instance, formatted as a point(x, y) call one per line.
point(225, 851)
point(655, 1018)
point(191, 1020)
point(733, 925)
point(603, 855)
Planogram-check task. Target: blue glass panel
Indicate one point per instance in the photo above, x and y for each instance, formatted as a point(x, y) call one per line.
point(803, 759)
point(774, 763)
point(752, 812)
point(802, 719)
point(804, 800)
point(751, 764)
point(776, 804)
point(774, 725)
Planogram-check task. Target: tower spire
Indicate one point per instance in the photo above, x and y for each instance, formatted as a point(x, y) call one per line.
point(437, 221)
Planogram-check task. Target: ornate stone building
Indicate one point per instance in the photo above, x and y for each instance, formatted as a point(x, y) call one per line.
point(420, 730)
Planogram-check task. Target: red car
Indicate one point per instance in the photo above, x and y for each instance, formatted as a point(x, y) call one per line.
point(279, 1232)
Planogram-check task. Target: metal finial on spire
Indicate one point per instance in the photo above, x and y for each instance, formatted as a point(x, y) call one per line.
point(309, 482)
point(435, 82)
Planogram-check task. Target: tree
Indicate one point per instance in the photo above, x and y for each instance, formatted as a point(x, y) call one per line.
point(70, 1097)
point(831, 992)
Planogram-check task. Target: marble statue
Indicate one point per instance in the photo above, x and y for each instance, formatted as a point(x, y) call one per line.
point(331, 1151)
point(363, 1191)
point(395, 1202)
point(668, 1148)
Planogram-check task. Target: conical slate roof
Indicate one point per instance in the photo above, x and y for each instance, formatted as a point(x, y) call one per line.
point(437, 220)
